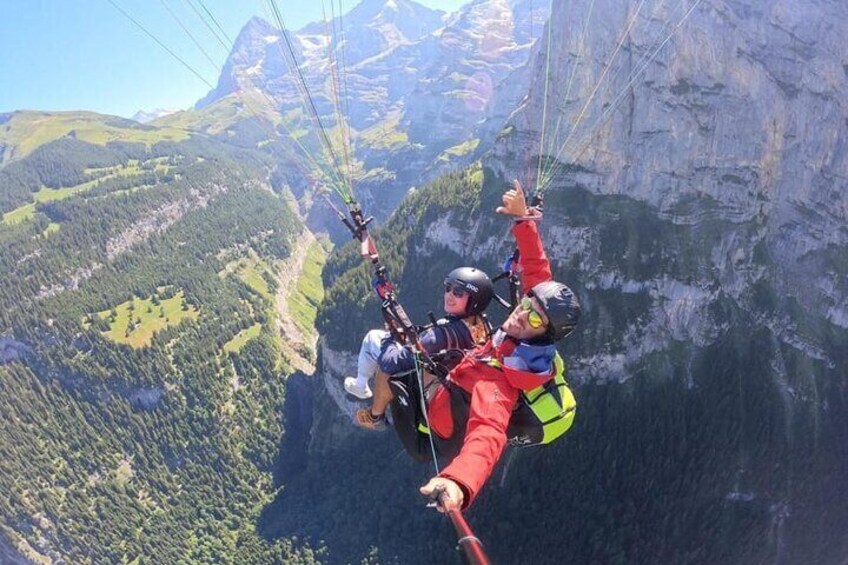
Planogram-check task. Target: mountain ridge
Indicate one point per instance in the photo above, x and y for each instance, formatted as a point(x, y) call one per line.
point(23, 131)
point(415, 107)
point(144, 116)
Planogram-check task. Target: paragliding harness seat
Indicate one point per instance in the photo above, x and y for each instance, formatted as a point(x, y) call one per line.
point(540, 416)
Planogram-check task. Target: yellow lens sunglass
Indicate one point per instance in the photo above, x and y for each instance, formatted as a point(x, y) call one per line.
point(534, 318)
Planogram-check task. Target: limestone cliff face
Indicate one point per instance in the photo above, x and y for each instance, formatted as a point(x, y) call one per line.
point(698, 201)
point(739, 117)
point(698, 209)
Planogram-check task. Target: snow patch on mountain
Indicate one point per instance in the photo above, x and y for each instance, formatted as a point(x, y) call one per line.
point(144, 116)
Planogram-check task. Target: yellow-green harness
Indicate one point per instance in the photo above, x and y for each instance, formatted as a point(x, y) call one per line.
point(552, 406)
point(542, 414)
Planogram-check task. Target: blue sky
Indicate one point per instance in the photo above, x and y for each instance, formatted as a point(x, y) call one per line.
point(85, 55)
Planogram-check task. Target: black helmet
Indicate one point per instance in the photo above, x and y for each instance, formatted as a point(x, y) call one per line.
point(560, 306)
point(477, 284)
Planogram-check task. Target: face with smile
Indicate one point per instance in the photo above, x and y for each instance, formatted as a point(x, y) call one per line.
point(521, 322)
point(456, 300)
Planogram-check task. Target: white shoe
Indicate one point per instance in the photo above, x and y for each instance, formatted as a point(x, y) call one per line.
point(363, 393)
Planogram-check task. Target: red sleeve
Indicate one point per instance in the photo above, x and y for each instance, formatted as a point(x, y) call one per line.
point(535, 267)
point(491, 406)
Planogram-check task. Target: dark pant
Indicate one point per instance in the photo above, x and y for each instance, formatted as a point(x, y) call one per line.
point(409, 421)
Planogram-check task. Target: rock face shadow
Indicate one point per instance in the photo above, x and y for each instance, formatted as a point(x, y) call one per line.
point(293, 456)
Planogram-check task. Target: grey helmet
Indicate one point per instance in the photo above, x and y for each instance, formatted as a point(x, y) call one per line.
point(560, 306)
point(478, 285)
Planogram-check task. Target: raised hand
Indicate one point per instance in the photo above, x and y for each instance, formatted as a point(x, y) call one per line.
point(514, 202)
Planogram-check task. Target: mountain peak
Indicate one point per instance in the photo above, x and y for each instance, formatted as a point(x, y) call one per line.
point(256, 26)
point(411, 18)
point(371, 8)
point(144, 116)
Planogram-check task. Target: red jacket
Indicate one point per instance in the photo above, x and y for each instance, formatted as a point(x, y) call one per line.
point(494, 389)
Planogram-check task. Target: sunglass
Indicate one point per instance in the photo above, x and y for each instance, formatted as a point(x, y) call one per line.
point(534, 318)
point(456, 290)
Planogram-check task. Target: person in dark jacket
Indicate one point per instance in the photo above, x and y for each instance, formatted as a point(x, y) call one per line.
point(519, 357)
point(468, 292)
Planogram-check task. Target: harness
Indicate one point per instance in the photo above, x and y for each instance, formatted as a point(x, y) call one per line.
point(541, 415)
point(544, 413)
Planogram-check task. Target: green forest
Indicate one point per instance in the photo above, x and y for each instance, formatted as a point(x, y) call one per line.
point(159, 450)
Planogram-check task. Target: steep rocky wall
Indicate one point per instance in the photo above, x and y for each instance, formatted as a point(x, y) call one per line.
point(704, 230)
point(741, 115)
point(717, 222)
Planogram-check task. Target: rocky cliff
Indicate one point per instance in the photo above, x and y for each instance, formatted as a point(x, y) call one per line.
point(698, 196)
point(739, 116)
point(420, 89)
point(699, 210)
